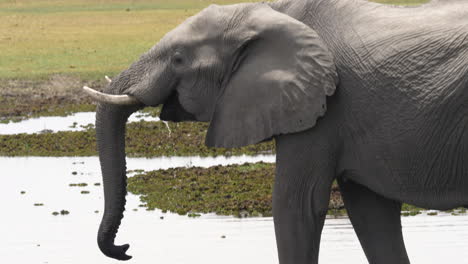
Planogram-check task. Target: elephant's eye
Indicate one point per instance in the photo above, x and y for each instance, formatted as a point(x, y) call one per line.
point(178, 59)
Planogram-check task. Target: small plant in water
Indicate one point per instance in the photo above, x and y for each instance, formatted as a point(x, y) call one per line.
point(78, 184)
point(64, 212)
point(55, 213)
point(194, 215)
point(38, 204)
point(84, 192)
point(22, 192)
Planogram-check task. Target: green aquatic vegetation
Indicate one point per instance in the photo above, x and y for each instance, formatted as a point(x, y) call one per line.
point(194, 215)
point(239, 190)
point(74, 173)
point(83, 184)
point(23, 192)
point(97, 184)
point(226, 190)
point(432, 213)
point(38, 204)
point(410, 210)
point(84, 192)
point(143, 139)
point(64, 212)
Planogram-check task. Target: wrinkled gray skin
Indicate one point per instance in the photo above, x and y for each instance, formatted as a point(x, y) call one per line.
point(394, 81)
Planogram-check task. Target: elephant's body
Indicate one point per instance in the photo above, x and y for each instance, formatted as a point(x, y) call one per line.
point(404, 102)
point(373, 96)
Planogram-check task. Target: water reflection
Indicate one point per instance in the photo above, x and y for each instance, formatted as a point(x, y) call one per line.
point(31, 234)
point(74, 122)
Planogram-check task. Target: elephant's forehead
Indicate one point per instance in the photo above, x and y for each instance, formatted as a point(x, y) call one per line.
point(195, 29)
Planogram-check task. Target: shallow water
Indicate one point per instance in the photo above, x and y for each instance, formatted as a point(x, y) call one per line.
point(32, 234)
point(72, 122)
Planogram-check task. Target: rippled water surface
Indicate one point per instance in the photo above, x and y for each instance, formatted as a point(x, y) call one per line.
point(31, 234)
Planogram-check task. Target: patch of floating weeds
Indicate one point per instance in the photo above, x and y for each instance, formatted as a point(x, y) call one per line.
point(84, 192)
point(74, 173)
point(83, 184)
point(194, 215)
point(62, 212)
point(432, 213)
point(239, 190)
point(225, 190)
point(97, 184)
point(96, 211)
point(38, 204)
point(22, 192)
point(410, 210)
point(143, 139)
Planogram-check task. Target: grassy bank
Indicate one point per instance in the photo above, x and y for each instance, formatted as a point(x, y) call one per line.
point(84, 38)
point(88, 39)
point(143, 139)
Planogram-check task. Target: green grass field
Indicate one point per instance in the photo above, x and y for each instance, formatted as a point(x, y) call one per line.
point(88, 38)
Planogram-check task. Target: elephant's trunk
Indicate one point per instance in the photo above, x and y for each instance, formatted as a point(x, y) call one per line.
point(110, 133)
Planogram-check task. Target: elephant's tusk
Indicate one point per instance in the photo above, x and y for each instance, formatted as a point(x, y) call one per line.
point(110, 98)
point(109, 80)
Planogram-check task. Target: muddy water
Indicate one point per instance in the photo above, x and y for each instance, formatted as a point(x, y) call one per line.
point(31, 234)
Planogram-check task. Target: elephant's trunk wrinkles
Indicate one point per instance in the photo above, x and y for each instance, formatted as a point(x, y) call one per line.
point(110, 133)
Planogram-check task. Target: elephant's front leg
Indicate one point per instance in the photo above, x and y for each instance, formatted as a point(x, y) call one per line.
point(304, 174)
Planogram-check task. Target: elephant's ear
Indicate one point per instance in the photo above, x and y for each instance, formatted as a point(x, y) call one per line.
point(279, 84)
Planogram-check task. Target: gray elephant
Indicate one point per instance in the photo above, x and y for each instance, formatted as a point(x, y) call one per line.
point(373, 96)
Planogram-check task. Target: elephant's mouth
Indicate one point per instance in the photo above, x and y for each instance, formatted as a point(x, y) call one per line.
point(173, 111)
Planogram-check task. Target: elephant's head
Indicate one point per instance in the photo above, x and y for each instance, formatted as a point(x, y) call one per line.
point(251, 71)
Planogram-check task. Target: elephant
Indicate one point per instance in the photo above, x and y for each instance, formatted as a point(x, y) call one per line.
point(370, 95)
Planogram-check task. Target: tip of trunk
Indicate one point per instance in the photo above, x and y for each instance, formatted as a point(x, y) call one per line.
point(113, 251)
